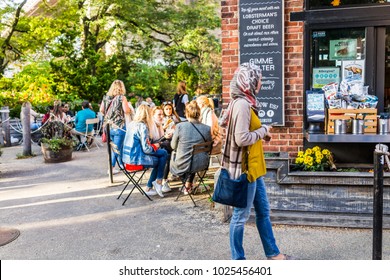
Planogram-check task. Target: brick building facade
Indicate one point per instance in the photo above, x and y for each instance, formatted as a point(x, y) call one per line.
point(287, 138)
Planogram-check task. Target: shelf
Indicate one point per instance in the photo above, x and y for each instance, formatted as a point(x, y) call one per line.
point(347, 138)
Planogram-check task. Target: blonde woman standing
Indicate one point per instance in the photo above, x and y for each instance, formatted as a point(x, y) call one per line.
point(208, 117)
point(114, 107)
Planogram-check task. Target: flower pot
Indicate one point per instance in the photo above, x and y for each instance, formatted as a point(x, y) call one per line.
point(64, 154)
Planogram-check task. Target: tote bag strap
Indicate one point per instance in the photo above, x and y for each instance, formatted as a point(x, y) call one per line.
point(204, 139)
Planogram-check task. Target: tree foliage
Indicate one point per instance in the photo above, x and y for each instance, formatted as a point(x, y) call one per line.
point(75, 49)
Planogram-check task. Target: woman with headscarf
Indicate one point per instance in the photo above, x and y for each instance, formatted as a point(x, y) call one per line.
point(243, 152)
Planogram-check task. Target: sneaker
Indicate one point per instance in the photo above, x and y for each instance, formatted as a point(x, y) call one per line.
point(186, 191)
point(165, 187)
point(151, 192)
point(158, 188)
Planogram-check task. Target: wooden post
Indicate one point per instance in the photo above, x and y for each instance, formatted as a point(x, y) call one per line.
point(5, 126)
point(26, 107)
point(109, 153)
point(378, 202)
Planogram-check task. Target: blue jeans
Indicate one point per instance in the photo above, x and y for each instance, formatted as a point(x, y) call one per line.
point(35, 126)
point(257, 196)
point(159, 162)
point(117, 136)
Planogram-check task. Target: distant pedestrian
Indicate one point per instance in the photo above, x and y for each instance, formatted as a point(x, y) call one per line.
point(180, 99)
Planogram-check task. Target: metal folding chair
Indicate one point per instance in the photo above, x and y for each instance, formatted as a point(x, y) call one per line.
point(134, 173)
point(205, 148)
point(88, 136)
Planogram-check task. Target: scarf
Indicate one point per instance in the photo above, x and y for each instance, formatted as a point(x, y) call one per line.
point(243, 85)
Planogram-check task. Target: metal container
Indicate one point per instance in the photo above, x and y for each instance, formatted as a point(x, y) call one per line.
point(357, 126)
point(383, 126)
point(340, 126)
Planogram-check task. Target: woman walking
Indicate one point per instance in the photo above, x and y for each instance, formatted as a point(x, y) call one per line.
point(243, 151)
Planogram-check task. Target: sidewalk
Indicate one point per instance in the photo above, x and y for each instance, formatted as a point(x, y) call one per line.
point(69, 211)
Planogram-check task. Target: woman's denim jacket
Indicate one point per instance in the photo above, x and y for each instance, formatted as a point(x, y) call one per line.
point(136, 146)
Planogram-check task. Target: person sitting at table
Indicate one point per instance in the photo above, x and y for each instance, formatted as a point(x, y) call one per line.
point(138, 150)
point(80, 121)
point(67, 111)
point(34, 124)
point(58, 114)
point(158, 134)
point(46, 116)
point(171, 118)
point(186, 135)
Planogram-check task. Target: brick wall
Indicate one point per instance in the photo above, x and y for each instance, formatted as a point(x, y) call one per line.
point(290, 137)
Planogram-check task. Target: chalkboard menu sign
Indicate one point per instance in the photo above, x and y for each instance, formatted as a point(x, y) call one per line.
point(261, 43)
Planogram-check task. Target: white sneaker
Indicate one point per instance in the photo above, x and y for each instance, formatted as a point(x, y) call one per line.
point(151, 192)
point(165, 187)
point(158, 188)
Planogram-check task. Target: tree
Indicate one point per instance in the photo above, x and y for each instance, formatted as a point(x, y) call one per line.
point(88, 44)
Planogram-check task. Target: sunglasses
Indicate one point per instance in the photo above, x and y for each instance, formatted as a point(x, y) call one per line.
point(167, 102)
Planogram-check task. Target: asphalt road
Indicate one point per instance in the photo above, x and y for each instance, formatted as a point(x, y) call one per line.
point(70, 211)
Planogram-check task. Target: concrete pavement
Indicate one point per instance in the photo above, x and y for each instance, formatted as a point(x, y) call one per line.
point(70, 211)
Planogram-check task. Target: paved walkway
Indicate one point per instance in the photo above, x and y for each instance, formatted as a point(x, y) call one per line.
point(69, 211)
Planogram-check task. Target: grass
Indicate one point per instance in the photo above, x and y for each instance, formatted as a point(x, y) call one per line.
point(21, 156)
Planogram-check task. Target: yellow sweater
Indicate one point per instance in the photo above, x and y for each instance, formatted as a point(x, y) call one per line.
point(254, 153)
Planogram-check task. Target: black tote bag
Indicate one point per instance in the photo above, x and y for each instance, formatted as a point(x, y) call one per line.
point(228, 191)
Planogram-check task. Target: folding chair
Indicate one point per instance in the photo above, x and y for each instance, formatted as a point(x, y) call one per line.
point(88, 136)
point(205, 148)
point(134, 173)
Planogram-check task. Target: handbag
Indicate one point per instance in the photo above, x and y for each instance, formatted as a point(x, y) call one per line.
point(228, 191)
point(232, 192)
point(104, 137)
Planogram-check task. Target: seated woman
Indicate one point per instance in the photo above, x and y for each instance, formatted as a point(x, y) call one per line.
point(171, 118)
point(186, 135)
point(158, 135)
point(138, 150)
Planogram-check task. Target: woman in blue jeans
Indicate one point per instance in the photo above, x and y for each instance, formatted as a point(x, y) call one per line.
point(243, 152)
point(138, 150)
point(114, 107)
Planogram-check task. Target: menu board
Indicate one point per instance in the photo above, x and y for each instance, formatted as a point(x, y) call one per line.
point(261, 42)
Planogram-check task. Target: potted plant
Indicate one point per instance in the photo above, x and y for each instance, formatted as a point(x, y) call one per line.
point(56, 143)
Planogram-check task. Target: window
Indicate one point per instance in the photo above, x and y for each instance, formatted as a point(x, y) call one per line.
point(337, 54)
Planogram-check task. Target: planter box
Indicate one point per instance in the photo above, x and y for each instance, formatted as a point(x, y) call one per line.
point(337, 199)
point(342, 199)
point(62, 155)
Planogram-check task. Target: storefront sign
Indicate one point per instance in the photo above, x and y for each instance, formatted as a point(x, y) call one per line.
point(325, 75)
point(315, 106)
point(353, 70)
point(261, 43)
point(342, 49)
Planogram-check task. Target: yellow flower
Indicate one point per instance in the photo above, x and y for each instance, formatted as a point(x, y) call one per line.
point(308, 151)
point(316, 149)
point(313, 159)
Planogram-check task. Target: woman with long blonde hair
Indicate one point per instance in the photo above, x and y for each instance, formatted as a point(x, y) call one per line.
point(114, 107)
point(208, 117)
point(139, 150)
